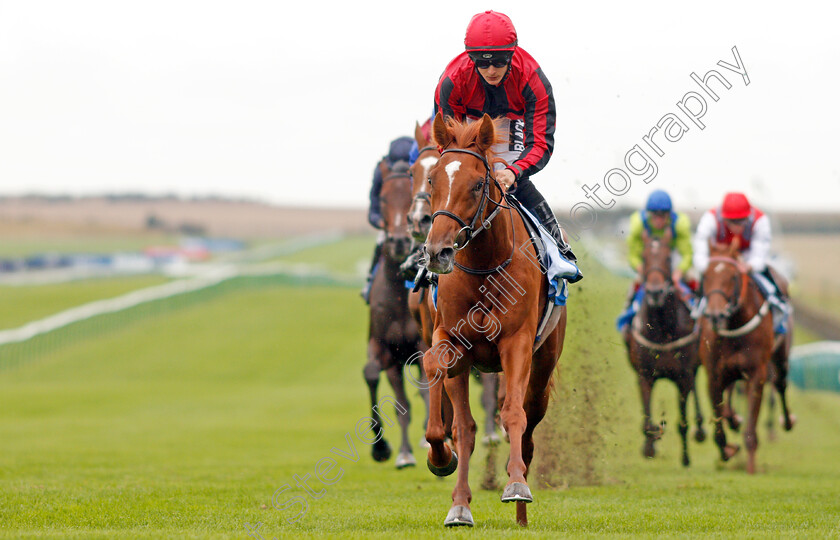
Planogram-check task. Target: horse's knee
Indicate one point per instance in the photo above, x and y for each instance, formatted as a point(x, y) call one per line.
point(371, 371)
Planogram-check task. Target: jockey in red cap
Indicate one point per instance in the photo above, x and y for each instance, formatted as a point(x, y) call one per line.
point(737, 219)
point(496, 76)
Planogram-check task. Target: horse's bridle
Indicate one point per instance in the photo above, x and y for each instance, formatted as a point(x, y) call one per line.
point(394, 176)
point(740, 288)
point(471, 230)
point(424, 196)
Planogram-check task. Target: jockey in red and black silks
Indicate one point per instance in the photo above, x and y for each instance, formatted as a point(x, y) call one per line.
point(497, 77)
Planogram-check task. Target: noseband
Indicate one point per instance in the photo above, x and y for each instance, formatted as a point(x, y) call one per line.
point(470, 230)
point(732, 307)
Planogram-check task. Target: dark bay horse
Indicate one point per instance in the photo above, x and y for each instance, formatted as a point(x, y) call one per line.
point(737, 342)
point(490, 297)
point(420, 304)
point(394, 335)
point(662, 342)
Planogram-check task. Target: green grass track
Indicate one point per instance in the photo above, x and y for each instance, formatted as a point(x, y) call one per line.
point(183, 425)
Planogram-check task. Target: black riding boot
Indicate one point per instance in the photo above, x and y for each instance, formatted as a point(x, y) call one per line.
point(534, 201)
point(377, 252)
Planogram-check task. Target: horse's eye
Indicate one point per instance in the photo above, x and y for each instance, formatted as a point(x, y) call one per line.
point(429, 180)
point(479, 186)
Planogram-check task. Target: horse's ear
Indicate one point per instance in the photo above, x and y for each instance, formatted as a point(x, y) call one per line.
point(441, 134)
point(486, 134)
point(418, 135)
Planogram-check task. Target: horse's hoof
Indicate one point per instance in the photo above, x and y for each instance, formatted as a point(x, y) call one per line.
point(491, 439)
point(649, 450)
point(459, 516)
point(517, 492)
point(700, 435)
point(405, 459)
point(685, 461)
point(447, 470)
point(735, 422)
point(424, 443)
point(791, 421)
point(729, 451)
point(381, 452)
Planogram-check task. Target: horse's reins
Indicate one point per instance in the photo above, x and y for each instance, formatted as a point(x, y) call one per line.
point(636, 329)
point(471, 230)
point(741, 292)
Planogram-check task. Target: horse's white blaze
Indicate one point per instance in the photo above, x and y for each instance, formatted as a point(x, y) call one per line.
point(427, 163)
point(719, 268)
point(397, 220)
point(451, 169)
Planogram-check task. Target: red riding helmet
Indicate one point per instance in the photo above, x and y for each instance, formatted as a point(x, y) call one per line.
point(735, 206)
point(490, 31)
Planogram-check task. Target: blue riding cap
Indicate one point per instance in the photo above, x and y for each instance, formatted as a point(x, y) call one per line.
point(400, 149)
point(659, 201)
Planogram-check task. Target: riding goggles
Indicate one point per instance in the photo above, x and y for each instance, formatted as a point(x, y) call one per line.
point(484, 60)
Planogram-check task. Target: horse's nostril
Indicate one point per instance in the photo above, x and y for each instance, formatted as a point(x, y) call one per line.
point(446, 254)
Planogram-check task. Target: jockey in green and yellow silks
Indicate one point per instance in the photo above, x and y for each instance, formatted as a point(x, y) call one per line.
point(658, 216)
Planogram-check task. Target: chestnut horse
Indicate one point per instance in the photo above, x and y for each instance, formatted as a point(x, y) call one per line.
point(737, 342)
point(662, 342)
point(394, 335)
point(419, 303)
point(488, 311)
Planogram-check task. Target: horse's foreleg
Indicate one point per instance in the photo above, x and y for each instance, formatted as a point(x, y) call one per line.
point(719, 408)
point(731, 416)
point(424, 393)
point(380, 450)
point(516, 363)
point(464, 436)
point(700, 431)
point(650, 431)
point(403, 409)
point(755, 387)
point(441, 460)
point(683, 427)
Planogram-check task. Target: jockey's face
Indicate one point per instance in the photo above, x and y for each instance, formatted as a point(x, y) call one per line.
point(659, 220)
point(493, 75)
point(735, 225)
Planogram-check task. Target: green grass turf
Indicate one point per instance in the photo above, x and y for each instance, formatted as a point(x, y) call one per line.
point(351, 255)
point(26, 303)
point(184, 426)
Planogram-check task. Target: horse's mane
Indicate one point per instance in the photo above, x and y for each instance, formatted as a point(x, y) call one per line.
point(465, 135)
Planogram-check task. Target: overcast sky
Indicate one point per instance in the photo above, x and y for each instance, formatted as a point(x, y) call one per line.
point(294, 103)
